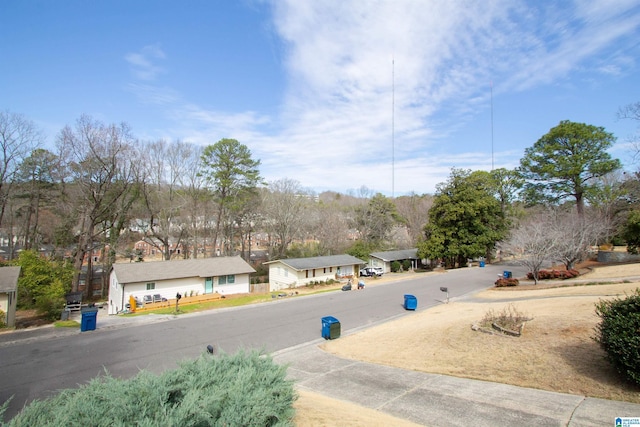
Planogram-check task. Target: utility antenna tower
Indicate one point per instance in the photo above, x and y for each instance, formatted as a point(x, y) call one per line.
point(491, 124)
point(393, 142)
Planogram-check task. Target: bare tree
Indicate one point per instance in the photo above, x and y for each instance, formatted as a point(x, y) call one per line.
point(531, 243)
point(165, 165)
point(284, 207)
point(100, 163)
point(574, 236)
point(330, 225)
point(247, 220)
point(610, 202)
point(196, 200)
point(632, 112)
point(414, 210)
point(19, 136)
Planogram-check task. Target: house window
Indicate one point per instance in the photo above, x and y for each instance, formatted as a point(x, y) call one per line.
point(330, 269)
point(306, 274)
point(227, 280)
point(324, 270)
point(151, 286)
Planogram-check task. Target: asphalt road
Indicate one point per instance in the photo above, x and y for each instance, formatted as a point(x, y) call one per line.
point(34, 369)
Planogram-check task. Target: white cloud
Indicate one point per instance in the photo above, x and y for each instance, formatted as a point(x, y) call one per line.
point(346, 104)
point(445, 54)
point(143, 62)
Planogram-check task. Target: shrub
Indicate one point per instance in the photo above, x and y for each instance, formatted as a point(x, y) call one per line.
point(509, 318)
point(2, 322)
point(240, 390)
point(555, 274)
point(618, 335)
point(395, 266)
point(501, 283)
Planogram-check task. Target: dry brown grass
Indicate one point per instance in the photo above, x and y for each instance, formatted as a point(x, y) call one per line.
point(556, 351)
point(316, 410)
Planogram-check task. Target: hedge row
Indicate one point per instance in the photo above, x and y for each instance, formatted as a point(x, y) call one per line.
point(555, 274)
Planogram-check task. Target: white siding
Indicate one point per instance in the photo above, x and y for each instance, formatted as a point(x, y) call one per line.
point(8, 303)
point(282, 276)
point(4, 302)
point(115, 294)
point(168, 289)
point(241, 285)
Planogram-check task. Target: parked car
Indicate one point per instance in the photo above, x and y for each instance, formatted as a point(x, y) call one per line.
point(370, 271)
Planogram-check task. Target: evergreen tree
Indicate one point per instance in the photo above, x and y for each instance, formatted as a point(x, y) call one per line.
point(465, 221)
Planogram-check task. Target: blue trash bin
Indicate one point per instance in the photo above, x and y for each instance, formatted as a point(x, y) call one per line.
point(89, 318)
point(507, 275)
point(410, 302)
point(330, 328)
point(481, 263)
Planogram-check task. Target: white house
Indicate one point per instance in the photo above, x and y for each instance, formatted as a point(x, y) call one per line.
point(294, 272)
point(222, 275)
point(384, 259)
point(9, 294)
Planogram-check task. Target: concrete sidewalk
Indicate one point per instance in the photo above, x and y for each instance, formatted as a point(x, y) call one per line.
point(439, 400)
point(426, 399)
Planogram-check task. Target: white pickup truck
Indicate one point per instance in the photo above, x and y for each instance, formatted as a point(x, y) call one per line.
point(371, 271)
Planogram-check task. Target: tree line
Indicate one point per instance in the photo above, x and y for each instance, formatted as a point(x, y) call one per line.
point(103, 189)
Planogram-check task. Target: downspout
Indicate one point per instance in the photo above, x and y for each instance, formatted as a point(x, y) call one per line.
point(122, 299)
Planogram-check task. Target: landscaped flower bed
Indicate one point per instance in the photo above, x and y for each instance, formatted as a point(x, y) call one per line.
point(555, 274)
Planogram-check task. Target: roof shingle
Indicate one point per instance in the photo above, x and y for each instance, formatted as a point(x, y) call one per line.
point(9, 279)
point(319, 262)
point(178, 269)
point(396, 255)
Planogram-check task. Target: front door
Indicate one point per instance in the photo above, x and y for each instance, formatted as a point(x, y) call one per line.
point(208, 285)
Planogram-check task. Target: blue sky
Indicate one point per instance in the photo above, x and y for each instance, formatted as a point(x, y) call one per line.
point(335, 94)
